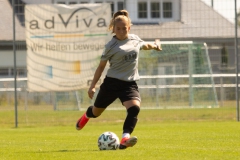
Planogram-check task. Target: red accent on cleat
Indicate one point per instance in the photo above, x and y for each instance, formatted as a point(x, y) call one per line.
point(82, 122)
point(127, 142)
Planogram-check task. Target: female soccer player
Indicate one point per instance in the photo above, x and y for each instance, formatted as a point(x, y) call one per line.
point(122, 52)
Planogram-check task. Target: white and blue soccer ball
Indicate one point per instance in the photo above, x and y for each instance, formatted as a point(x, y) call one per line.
point(108, 141)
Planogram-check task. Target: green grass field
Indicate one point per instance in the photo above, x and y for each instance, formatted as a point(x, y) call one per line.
point(184, 134)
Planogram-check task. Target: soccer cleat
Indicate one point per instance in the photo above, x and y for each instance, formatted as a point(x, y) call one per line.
point(128, 142)
point(82, 122)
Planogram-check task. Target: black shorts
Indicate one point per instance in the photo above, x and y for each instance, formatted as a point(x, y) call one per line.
point(112, 88)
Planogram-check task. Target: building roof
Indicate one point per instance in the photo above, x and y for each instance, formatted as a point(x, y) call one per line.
point(6, 23)
point(198, 20)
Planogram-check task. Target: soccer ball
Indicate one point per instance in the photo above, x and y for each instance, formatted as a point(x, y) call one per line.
point(108, 141)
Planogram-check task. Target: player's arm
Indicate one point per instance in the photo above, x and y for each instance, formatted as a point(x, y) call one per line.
point(148, 46)
point(96, 77)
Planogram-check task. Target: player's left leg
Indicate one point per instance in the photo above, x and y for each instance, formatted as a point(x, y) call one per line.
point(133, 109)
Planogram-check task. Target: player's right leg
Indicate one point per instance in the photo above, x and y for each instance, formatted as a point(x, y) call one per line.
point(104, 98)
point(82, 122)
point(92, 112)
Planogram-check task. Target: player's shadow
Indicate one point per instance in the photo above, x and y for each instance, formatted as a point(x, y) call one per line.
point(81, 150)
point(65, 150)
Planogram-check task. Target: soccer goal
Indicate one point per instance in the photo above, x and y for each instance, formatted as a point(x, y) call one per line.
point(180, 76)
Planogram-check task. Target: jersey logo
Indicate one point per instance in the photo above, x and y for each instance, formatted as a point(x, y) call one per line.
point(130, 57)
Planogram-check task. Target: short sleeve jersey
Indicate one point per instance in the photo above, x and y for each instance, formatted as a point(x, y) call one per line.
point(123, 57)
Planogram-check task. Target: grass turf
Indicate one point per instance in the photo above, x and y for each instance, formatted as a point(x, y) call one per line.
point(163, 134)
point(157, 140)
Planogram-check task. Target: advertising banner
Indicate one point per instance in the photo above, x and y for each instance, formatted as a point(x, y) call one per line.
point(64, 44)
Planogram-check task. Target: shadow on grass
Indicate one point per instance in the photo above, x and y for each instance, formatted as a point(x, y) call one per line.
point(64, 150)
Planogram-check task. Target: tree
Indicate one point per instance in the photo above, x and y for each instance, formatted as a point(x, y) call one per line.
point(224, 56)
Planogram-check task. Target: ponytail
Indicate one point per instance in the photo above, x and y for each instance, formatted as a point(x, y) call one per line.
point(119, 16)
point(120, 12)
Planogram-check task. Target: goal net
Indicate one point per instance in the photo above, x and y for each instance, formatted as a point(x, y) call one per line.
point(180, 76)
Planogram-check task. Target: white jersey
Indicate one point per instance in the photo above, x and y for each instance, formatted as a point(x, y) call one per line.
point(123, 57)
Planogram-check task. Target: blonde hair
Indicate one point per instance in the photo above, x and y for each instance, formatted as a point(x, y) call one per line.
point(120, 15)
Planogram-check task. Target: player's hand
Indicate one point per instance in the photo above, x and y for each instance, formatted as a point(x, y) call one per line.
point(91, 92)
point(158, 45)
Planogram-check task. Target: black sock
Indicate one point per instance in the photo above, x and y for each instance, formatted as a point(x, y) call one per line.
point(131, 119)
point(89, 112)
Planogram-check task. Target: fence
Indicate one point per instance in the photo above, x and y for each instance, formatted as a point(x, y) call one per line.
point(181, 20)
point(152, 97)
